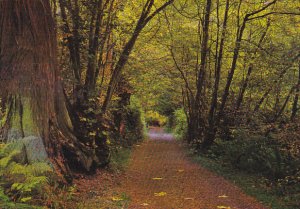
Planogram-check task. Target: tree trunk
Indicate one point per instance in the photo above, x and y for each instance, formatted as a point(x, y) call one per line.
point(250, 69)
point(28, 66)
point(295, 103)
point(211, 131)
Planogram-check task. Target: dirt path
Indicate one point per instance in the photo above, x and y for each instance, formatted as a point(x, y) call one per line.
point(160, 176)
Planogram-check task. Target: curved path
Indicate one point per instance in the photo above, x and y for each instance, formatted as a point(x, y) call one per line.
point(160, 176)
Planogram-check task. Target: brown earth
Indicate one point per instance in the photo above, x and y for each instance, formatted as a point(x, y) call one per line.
point(161, 176)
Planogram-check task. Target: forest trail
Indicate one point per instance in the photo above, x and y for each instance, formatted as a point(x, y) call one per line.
point(160, 176)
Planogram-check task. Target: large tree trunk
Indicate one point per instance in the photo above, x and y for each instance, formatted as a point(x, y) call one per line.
point(28, 69)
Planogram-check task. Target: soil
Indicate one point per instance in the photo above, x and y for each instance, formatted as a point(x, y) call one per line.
point(161, 176)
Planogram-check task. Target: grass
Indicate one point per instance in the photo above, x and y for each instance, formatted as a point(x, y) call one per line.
point(251, 184)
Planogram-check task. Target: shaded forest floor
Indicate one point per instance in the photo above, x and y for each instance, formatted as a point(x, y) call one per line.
point(159, 175)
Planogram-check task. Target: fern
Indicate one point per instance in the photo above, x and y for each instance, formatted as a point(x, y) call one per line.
point(20, 180)
point(36, 169)
point(3, 197)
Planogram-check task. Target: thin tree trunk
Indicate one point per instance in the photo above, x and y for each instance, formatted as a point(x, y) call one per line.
point(281, 110)
point(296, 99)
point(211, 132)
point(236, 52)
point(250, 69)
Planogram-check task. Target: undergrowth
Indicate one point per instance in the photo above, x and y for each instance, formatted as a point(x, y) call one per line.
point(24, 185)
point(259, 165)
point(120, 159)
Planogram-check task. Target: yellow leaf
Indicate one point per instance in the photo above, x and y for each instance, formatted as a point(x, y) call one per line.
point(117, 199)
point(160, 194)
point(188, 198)
point(157, 178)
point(180, 171)
point(223, 196)
point(144, 204)
point(223, 207)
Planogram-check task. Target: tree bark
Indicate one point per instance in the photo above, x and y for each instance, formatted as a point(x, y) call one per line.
point(28, 61)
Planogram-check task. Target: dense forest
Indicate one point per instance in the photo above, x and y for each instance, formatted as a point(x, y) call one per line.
point(81, 80)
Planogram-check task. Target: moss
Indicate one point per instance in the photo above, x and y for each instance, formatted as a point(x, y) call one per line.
point(30, 129)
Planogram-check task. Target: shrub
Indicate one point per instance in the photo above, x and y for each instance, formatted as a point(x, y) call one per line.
point(262, 156)
point(132, 123)
point(254, 154)
point(180, 122)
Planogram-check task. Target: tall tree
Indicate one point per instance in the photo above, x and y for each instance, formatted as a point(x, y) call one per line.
point(30, 79)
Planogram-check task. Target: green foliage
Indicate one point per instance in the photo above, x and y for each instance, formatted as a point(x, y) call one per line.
point(129, 124)
point(120, 158)
point(180, 122)
point(21, 182)
point(134, 122)
point(255, 154)
point(156, 119)
point(265, 157)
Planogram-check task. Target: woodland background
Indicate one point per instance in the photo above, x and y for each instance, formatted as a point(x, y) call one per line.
point(81, 80)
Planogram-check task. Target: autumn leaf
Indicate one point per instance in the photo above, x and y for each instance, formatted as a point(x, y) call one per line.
point(144, 204)
point(157, 178)
point(117, 199)
point(160, 194)
point(180, 171)
point(223, 207)
point(223, 196)
point(188, 198)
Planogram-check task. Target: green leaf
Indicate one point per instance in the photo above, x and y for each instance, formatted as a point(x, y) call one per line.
point(26, 199)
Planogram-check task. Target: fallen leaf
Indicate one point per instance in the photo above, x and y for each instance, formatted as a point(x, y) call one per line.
point(180, 171)
point(223, 207)
point(160, 194)
point(223, 196)
point(189, 198)
point(117, 199)
point(144, 204)
point(157, 178)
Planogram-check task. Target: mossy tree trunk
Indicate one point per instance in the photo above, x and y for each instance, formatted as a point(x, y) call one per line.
point(29, 75)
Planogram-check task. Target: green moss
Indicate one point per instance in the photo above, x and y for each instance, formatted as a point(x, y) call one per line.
point(30, 129)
